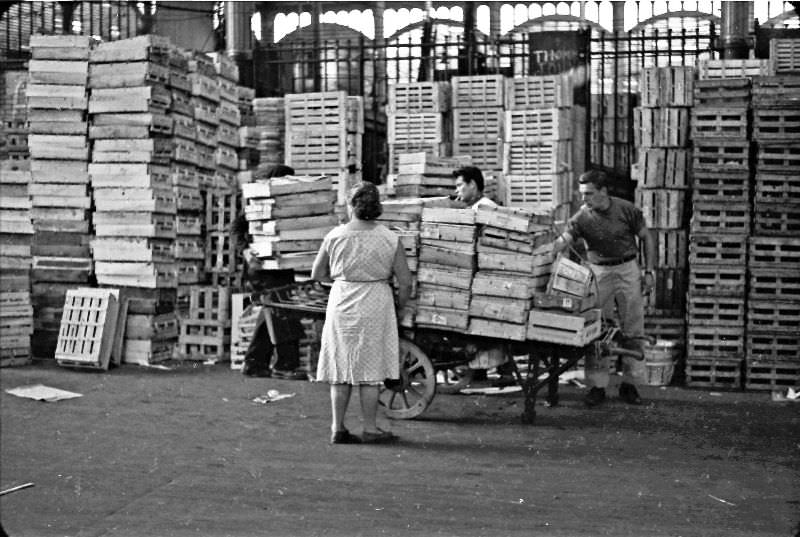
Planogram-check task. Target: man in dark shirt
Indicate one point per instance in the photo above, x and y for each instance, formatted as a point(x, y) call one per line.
point(287, 329)
point(610, 226)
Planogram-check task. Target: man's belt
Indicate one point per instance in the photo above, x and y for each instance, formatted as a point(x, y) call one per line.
point(614, 260)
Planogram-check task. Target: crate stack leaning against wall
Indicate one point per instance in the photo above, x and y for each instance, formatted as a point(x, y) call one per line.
point(16, 227)
point(720, 223)
point(772, 359)
point(323, 137)
point(59, 189)
point(478, 104)
point(662, 171)
point(189, 240)
point(513, 262)
point(135, 209)
point(418, 120)
point(538, 153)
point(609, 135)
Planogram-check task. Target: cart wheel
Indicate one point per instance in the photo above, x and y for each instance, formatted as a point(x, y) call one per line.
point(411, 395)
point(455, 379)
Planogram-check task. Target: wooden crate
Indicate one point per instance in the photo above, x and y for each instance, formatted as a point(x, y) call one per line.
point(221, 252)
point(136, 274)
point(717, 311)
point(732, 68)
point(772, 252)
point(777, 188)
point(60, 47)
point(784, 54)
point(777, 157)
point(773, 346)
point(132, 249)
point(154, 99)
point(149, 47)
point(774, 284)
point(134, 224)
point(720, 155)
point(569, 277)
point(529, 188)
point(661, 127)
point(564, 329)
point(671, 249)
point(478, 91)
point(773, 316)
point(668, 328)
point(441, 318)
point(776, 124)
point(537, 125)
point(776, 92)
point(717, 280)
point(419, 97)
point(667, 86)
point(148, 150)
point(669, 294)
point(525, 93)
point(720, 122)
point(520, 158)
point(423, 128)
point(501, 284)
point(209, 303)
point(722, 92)
point(662, 208)
point(717, 341)
point(779, 219)
point(316, 112)
point(730, 218)
point(713, 372)
point(511, 310)
point(762, 374)
point(721, 187)
point(497, 329)
point(718, 249)
point(88, 328)
point(478, 123)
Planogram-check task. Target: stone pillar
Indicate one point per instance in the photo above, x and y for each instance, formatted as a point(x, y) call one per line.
point(735, 27)
point(494, 19)
point(239, 38)
point(618, 15)
point(379, 87)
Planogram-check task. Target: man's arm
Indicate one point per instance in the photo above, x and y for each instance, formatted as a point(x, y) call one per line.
point(649, 258)
point(562, 242)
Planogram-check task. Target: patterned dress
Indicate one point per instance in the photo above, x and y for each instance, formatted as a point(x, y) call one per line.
point(359, 339)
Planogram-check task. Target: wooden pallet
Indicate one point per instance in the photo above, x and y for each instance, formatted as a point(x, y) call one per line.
point(772, 252)
point(776, 124)
point(718, 341)
point(730, 218)
point(662, 208)
point(615, 156)
point(773, 346)
point(419, 97)
point(760, 374)
point(722, 92)
point(784, 54)
point(776, 219)
point(478, 91)
point(221, 253)
point(88, 328)
point(778, 157)
point(209, 303)
point(720, 122)
point(721, 187)
point(716, 280)
point(538, 125)
point(720, 155)
point(713, 372)
point(717, 311)
point(774, 284)
point(773, 316)
point(732, 68)
point(718, 249)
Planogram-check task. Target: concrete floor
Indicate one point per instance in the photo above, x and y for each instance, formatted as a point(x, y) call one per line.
point(187, 452)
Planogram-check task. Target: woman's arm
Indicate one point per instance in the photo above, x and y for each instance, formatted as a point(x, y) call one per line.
point(402, 274)
point(321, 271)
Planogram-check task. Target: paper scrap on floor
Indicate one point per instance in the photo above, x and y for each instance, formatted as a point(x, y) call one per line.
point(491, 390)
point(40, 392)
point(272, 396)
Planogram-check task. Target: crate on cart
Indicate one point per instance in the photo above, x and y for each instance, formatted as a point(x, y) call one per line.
point(486, 153)
point(88, 328)
point(573, 330)
point(716, 311)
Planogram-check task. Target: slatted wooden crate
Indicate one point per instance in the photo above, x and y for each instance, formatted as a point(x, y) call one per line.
point(478, 91)
point(713, 372)
point(422, 128)
point(524, 93)
point(209, 303)
point(777, 188)
point(441, 318)
point(720, 218)
point(717, 311)
point(771, 374)
point(662, 208)
point(718, 341)
point(88, 328)
point(538, 125)
point(147, 150)
point(536, 158)
point(776, 124)
point(720, 122)
point(151, 47)
point(487, 153)
point(774, 252)
point(718, 249)
point(671, 249)
point(717, 187)
point(774, 284)
point(720, 155)
point(773, 346)
point(784, 54)
point(616, 156)
point(780, 219)
point(732, 68)
point(669, 294)
point(773, 316)
point(316, 112)
point(526, 189)
point(220, 252)
point(667, 86)
point(722, 92)
point(661, 127)
point(776, 92)
point(572, 330)
point(60, 47)
point(666, 327)
point(478, 123)
point(136, 274)
point(717, 280)
point(154, 99)
point(419, 97)
point(207, 341)
point(778, 157)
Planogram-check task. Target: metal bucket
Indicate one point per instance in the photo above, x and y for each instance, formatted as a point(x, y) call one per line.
point(660, 361)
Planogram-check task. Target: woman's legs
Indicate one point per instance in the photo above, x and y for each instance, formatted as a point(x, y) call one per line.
point(368, 394)
point(340, 397)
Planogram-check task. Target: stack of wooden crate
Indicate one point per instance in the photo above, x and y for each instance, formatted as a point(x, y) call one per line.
point(16, 232)
point(403, 216)
point(189, 241)
point(323, 137)
point(772, 358)
point(662, 175)
point(14, 114)
point(784, 55)
point(719, 227)
point(478, 104)
point(514, 259)
point(248, 136)
point(59, 153)
point(446, 267)
point(421, 174)
point(538, 159)
point(269, 128)
point(418, 120)
point(610, 131)
point(288, 217)
point(205, 332)
point(135, 205)
point(205, 101)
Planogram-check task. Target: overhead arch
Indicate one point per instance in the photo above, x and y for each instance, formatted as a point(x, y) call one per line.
point(556, 20)
point(665, 17)
point(436, 22)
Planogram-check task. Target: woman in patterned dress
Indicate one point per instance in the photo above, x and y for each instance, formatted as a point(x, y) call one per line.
point(359, 340)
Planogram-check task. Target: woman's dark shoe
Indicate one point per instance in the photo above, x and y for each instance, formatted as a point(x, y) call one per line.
point(344, 437)
point(381, 437)
point(596, 396)
point(629, 394)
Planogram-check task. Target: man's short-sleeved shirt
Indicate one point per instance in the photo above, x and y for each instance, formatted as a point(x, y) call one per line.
point(483, 201)
point(608, 234)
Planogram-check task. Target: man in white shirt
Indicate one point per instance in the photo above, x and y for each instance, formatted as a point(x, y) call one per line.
point(469, 187)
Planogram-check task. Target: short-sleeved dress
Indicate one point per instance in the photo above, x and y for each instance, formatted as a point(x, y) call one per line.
point(359, 339)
